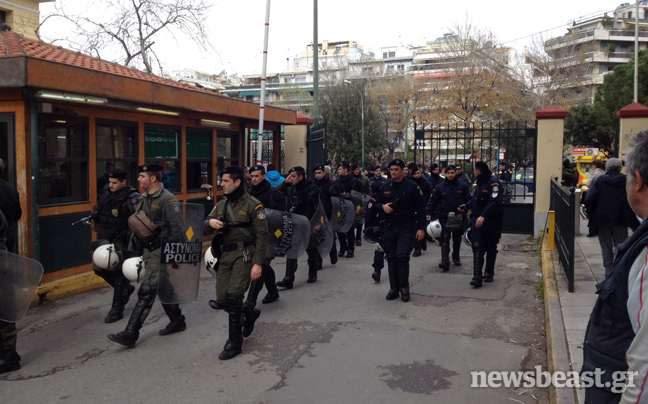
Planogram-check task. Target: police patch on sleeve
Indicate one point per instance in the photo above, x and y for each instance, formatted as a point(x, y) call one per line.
point(369, 205)
point(261, 214)
point(495, 189)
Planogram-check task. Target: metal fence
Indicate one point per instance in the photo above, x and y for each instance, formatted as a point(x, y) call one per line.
point(564, 203)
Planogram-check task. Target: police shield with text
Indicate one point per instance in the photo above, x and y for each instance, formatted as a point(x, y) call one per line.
point(403, 208)
point(342, 189)
point(181, 252)
point(485, 223)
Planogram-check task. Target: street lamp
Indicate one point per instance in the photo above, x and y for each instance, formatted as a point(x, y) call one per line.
point(362, 116)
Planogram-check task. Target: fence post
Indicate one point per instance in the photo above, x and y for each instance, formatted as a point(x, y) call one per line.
point(552, 230)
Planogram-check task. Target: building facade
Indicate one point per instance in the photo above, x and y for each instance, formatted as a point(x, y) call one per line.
point(22, 15)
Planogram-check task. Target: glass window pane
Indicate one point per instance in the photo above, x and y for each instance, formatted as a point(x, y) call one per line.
point(198, 174)
point(116, 148)
point(62, 159)
point(161, 143)
point(171, 175)
point(198, 145)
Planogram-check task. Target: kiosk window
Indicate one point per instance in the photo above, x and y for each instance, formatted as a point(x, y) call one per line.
point(227, 149)
point(199, 158)
point(162, 145)
point(116, 148)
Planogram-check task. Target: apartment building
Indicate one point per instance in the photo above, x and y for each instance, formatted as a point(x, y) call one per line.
point(22, 15)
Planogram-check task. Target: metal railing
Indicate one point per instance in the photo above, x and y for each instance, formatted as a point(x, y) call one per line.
point(564, 203)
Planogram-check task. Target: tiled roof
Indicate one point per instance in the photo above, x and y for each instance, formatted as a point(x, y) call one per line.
point(13, 44)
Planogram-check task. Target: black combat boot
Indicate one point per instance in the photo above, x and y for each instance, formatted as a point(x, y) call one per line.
point(234, 344)
point(121, 293)
point(456, 247)
point(478, 264)
point(343, 244)
point(9, 359)
point(129, 336)
point(271, 286)
point(177, 323)
point(333, 254)
point(445, 253)
point(350, 252)
point(358, 238)
point(251, 316)
point(392, 270)
point(403, 278)
point(313, 259)
point(489, 271)
point(291, 268)
point(376, 273)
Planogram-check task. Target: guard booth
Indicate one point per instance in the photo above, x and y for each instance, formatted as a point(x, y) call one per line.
point(66, 119)
point(512, 145)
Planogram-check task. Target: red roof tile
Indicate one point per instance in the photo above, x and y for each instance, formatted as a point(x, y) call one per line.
point(12, 44)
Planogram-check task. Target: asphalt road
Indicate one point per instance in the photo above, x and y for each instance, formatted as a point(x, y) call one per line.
point(335, 341)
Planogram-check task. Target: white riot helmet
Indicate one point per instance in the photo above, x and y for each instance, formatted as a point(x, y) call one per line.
point(104, 255)
point(466, 237)
point(434, 229)
point(133, 269)
point(210, 262)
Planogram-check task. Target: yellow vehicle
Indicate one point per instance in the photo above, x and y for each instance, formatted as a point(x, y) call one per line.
point(584, 157)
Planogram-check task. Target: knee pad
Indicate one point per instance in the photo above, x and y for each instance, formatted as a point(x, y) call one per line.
point(146, 292)
point(476, 245)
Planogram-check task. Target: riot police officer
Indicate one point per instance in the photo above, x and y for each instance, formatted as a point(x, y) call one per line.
point(270, 198)
point(366, 189)
point(372, 219)
point(153, 202)
point(403, 206)
point(486, 223)
point(242, 219)
point(342, 188)
point(9, 358)
point(303, 199)
point(117, 201)
point(325, 184)
point(444, 204)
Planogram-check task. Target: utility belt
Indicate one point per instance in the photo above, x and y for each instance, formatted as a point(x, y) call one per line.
point(153, 245)
point(236, 246)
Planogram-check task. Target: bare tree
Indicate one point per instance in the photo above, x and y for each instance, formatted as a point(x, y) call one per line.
point(125, 31)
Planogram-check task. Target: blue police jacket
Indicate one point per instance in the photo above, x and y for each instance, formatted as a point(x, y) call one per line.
point(447, 196)
point(487, 198)
point(408, 203)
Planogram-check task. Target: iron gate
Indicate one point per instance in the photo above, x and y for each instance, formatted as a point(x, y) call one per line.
point(268, 147)
point(511, 144)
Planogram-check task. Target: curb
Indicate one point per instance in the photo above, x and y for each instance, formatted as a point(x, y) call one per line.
point(557, 352)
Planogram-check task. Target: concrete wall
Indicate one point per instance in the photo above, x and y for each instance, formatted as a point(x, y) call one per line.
point(632, 120)
point(551, 126)
point(295, 146)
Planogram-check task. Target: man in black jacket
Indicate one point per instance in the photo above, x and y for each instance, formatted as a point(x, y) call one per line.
point(10, 206)
point(270, 198)
point(609, 211)
point(325, 184)
point(342, 189)
point(303, 199)
point(117, 201)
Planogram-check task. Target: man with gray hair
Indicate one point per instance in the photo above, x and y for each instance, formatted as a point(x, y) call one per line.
point(616, 340)
point(607, 205)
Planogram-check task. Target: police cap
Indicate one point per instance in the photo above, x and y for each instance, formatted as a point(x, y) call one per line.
point(257, 167)
point(345, 164)
point(149, 168)
point(118, 174)
point(319, 167)
point(397, 162)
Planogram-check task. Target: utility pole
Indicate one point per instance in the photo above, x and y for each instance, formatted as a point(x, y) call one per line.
point(315, 67)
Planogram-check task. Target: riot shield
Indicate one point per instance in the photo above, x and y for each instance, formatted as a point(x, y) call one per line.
point(288, 232)
point(321, 231)
point(360, 201)
point(342, 215)
point(19, 279)
point(181, 252)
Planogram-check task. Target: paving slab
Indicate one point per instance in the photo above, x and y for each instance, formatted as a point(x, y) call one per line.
point(457, 285)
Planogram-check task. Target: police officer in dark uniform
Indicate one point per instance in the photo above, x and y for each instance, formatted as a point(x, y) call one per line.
point(270, 198)
point(417, 176)
point(342, 188)
point(303, 199)
point(366, 189)
point(9, 358)
point(154, 200)
point(372, 219)
point(325, 184)
point(116, 203)
point(486, 223)
point(505, 174)
point(445, 201)
point(10, 206)
point(403, 206)
point(241, 220)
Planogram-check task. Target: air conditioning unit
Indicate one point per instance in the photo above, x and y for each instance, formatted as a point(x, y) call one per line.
point(592, 151)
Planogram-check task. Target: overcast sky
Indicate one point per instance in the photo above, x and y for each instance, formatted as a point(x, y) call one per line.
point(237, 26)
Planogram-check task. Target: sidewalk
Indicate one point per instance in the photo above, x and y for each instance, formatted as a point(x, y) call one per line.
point(567, 327)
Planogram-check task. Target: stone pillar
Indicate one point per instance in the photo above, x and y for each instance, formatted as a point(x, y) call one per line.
point(548, 163)
point(632, 120)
